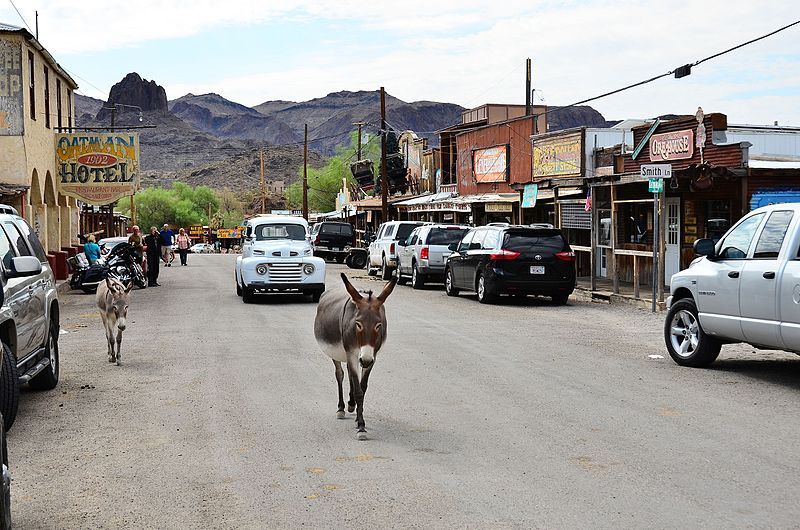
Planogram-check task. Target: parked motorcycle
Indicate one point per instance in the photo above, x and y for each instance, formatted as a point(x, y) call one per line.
point(122, 263)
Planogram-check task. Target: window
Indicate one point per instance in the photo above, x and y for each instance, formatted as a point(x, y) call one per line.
point(574, 215)
point(445, 236)
point(280, 231)
point(336, 228)
point(388, 231)
point(18, 239)
point(33, 240)
point(718, 219)
point(604, 233)
point(530, 241)
point(58, 102)
point(477, 239)
point(491, 240)
point(404, 230)
point(69, 109)
point(6, 250)
point(464, 245)
point(46, 97)
point(412, 239)
point(736, 244)
point(771, 239)
point(31, 85)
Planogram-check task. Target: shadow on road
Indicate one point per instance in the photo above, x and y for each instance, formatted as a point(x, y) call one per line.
point(785, 372)
point(281, 299)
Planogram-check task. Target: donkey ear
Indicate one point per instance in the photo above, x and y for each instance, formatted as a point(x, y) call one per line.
point(352, 291)
point(129, 287)
point(387, 290)
point(111, 284)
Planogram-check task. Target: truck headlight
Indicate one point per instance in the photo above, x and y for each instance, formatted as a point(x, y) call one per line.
point(261, 269)
point(308, 268)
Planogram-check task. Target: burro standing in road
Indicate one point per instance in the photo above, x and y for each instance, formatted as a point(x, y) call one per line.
point(351, 328)
point(112, 300)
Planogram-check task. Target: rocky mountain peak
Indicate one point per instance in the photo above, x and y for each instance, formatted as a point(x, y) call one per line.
point(135, 91)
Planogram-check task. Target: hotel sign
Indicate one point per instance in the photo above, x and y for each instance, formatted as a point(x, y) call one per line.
point(97, 169)
point(678, 145)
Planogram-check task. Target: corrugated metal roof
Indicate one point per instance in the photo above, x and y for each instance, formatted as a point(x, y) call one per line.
point(8, 27)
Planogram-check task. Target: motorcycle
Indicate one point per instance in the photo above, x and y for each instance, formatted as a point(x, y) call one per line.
point(122, 262)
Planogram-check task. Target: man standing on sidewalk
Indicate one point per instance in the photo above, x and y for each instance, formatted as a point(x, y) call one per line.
point(153, 243)
point(167, 238)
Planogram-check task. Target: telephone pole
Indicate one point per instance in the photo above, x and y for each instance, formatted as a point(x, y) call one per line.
point(305, 173)
point(528, 95)
point(384, 178)
point(261, 182)
point(359, 124)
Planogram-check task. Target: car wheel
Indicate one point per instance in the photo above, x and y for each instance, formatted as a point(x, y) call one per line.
point(9, 388)
point(560, 299)
point(248, 295)
point(47, 379)
point(358, 261)
point(386, 272)
point(417, 280)
point(687, 343)
point(485, 296)
point(449, 283)
point(238, 287)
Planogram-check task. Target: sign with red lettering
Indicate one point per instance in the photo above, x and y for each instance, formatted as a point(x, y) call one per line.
point(678, 145)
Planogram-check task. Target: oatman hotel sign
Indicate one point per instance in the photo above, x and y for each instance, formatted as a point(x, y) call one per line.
point(97, 168)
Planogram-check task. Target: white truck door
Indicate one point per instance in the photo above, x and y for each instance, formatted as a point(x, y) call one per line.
point(790, 297)
point(718, 283)
point(760, 278)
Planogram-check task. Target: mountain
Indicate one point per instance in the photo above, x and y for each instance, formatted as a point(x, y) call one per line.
point(559, 118)
point(86, 108)
point(133, 91)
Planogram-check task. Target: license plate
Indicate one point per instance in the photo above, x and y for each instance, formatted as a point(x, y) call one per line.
point(537, 269)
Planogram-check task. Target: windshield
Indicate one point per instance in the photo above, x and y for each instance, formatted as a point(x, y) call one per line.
point(534, 241)
point(280, 231)
point(445, 236)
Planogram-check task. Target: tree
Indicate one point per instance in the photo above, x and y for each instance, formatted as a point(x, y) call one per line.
point(180, 205)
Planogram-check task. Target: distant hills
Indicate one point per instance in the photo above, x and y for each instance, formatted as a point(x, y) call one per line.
point(208, 139)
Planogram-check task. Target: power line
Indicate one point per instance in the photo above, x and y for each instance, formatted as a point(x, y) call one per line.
point(20, 16)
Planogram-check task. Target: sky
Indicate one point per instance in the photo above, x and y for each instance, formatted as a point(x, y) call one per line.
point(467, 52)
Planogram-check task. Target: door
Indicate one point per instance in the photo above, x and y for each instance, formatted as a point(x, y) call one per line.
point(457, 261)
point(33, 313)
point(761, 276)
point(405, 254)
point(718, 281)
point(374, 248)
point(473, 259)
point(672, 258)
point(790, 301)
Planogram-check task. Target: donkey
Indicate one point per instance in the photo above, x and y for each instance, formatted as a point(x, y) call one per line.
point(351, 328)
point(112, 300)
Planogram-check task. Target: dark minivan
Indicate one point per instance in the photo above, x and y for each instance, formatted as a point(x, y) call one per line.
point(332, 240)
point(511, 259)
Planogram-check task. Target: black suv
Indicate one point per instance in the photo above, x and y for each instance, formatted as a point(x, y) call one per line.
point(510, 259)
point(332, 240)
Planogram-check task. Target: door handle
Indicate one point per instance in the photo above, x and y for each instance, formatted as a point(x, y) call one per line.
point(733, 274)
point(769, 275)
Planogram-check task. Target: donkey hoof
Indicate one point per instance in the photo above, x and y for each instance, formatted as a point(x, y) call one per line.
point(351, 408)
point(118, 363)
point(111, 359)
point(362, 436)
point(340, 414)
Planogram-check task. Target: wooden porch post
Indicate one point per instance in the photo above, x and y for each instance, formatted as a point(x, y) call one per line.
point(662, 246)
point(593, 240)
point(636, 276)
point(556, 208)
point(613, 263)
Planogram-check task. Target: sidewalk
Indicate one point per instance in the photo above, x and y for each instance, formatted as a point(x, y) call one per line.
point(605, 293)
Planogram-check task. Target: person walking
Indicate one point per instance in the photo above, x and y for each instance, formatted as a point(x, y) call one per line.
point(184, 242)
point(167, 239)
point(91, 249)
point(153, 243)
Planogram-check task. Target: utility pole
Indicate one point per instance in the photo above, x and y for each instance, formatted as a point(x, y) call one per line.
point(359, 124)
point(528, 102)
point(384, 177)
point(263, 184)
point(305, 173)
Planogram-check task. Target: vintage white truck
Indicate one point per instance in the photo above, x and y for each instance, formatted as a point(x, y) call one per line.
point(277, 257)
point(743, 288)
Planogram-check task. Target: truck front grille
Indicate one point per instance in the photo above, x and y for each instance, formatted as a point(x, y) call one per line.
point(286, 272)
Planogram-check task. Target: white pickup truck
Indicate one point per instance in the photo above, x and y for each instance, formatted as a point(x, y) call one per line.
point(744, 288)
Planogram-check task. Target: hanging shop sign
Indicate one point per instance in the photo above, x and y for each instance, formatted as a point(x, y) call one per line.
point(229, 233)
point(196, 230)
point(490, 164)
point(11, 105)
point(530, 192)
point(678, 145)
point(559, 156)
point(498, 207)
point(97, 169)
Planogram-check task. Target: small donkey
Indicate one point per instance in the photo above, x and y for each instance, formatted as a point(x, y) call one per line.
point(112, 300)
point(351, 328)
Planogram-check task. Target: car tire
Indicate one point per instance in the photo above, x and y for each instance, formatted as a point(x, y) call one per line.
point(238, 287)
point(417, 279)
point(386, 272)
point(47, 379)
point(9, 388)
point(687, 343)
point(485, 295)
point(248, 295)
point(560, 299)
point(358, 261)
point(449, 283)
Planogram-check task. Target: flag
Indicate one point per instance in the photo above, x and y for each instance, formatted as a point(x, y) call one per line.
point(587, 207)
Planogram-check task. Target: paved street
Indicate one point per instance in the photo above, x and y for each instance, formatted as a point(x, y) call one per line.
point(525, 415)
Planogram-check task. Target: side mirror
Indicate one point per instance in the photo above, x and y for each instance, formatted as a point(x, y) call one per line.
point(23, 266)
point(452, 247)
point(373, 237)
point(705, 247)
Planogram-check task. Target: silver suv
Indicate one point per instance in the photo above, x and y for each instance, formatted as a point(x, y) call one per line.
point(383, 251)
point(29, 315)
point(422, 256)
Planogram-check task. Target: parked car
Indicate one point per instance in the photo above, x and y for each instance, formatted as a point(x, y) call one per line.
point(744, 288)
point(108, 243)
point(277, 257)
point(29, 315)
point(202, 248)
point(383, 251)
point(422, 256)
point(333, 240)
point(508, 259)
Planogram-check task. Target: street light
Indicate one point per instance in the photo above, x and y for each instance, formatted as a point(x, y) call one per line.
point(113, 110)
